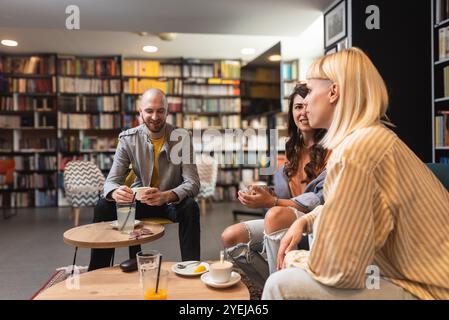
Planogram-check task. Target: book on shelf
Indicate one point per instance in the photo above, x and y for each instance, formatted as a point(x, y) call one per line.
point(79, 66)
point(175, 119)
point(88, 121)
point(36, 162)
point(228, 176)
point(34, 144)
point(89, 104)
point(441, 10)
point(290, 70)
point(34, 180)
point(69, 143)
point(90, 86)
point(139, 86)
point(143, 68)
point(25, 85)
point(288, 88)
point(230, 69)
point(18, 102)
point(37, 65)
point(197, 105)
point(45, 198)
point(443, 160)
point(200, 71)
point(96, 143)
point(217, 90)
point(17, 199)
point(442, 129)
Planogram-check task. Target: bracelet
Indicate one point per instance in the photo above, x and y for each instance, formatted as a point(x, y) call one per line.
point(275, 201)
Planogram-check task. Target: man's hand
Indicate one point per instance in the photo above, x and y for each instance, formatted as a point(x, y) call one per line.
point(154, 197)
point(261, 199)
point(122, 194)
point(290, 240)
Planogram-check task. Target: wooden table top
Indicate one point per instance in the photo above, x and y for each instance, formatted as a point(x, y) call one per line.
point(113, 284)
point(102, 236)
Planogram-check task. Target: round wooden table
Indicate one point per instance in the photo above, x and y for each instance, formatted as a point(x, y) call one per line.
point(101, 235)
point(113, 284)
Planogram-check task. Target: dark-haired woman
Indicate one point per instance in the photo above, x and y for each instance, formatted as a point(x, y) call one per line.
point(298, 190)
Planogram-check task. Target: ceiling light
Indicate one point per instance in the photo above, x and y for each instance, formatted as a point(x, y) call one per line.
point(248, 51)
point(150, 49)
point(167, 36)
point(9, 43)
point(275, 57)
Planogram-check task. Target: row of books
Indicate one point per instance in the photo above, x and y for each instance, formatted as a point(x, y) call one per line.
point(217, 90)
point(33, 144)
point(290, 71)
point(13, 85)
point(47, 198)
point(148, 68)
point(175, 120)
point(132, 104)
point(442, 129)
point(36, 162)
point(443, 43)
point(25, 103)
point(89, 121)
point(210, 105)
point(34, 180)
point(7, 121)
point(89, 67)
point(230, 69)
point(80, 85)
point(28, 65)
point(95, 143)
point(201, 71)
point(139, 86)
point(441, 10)
point(89, 104)
point(446, 81)
point(16, 199)
point(204, 122)
point(444, 160)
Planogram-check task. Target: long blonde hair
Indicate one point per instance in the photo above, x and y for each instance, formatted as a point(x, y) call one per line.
point(363, 99)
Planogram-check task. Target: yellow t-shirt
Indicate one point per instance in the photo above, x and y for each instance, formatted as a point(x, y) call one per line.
point(157, 146)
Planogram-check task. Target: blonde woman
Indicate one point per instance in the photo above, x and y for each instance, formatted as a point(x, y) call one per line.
point(385, 220)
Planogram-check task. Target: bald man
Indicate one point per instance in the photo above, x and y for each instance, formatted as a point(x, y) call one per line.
point(174, 184)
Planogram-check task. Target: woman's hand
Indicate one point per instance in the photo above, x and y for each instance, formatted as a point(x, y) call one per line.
point(290, 240)
point(261, 199)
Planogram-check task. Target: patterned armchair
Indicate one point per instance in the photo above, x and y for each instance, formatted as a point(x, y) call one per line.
point(207, 172)
point(83, 185)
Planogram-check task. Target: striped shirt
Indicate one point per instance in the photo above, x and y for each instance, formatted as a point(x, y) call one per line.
point(383, 207)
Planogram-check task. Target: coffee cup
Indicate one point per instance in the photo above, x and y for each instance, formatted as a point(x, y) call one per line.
point(220, 272)
point(139, 192)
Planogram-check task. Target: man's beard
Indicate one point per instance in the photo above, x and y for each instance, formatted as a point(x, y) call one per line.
point(155, 130)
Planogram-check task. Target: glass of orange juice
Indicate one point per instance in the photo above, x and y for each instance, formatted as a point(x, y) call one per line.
point(152, 288)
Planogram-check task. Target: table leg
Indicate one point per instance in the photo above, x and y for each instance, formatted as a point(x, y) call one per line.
point(74, 260)
point(112, 259)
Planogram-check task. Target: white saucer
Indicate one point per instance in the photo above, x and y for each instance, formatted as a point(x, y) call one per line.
point(189, 270)
point(235, 278)
point(114, 223)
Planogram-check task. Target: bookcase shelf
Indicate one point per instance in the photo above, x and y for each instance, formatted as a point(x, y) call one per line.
point(440, 81)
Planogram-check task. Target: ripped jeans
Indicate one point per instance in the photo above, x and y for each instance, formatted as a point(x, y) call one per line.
point(258, 256)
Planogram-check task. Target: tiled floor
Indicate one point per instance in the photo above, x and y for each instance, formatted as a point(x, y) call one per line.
point(31, 245)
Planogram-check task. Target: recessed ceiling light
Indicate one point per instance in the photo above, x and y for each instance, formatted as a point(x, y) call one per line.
point(248, 51)
point(9, 43)
point(150, 49)
point(275, 57)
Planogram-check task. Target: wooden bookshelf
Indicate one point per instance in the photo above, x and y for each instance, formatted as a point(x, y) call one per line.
point(28, 119)
point(89, 111)
point(440, 81)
